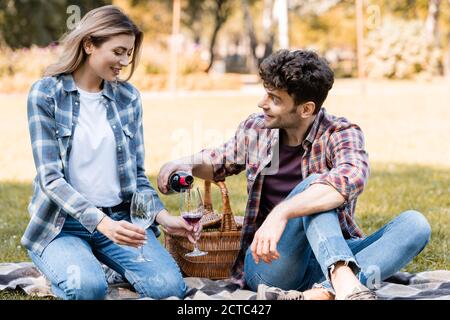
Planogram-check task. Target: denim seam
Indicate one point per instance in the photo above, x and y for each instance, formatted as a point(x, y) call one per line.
point(49, 269)
point(261, 280)
point(332, 261)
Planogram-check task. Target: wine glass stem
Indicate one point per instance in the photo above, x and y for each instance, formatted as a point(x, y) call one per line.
point(195, 244)
point(142, 251)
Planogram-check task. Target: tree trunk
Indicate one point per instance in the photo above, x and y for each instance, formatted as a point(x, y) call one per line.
point(447, 69)
point(269, 36)
point(251, 35)
point(431, 24)
point(212, 46)
point(220, 18)
point(281, 9)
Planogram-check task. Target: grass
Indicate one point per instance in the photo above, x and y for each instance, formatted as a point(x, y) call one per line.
point(391, 190)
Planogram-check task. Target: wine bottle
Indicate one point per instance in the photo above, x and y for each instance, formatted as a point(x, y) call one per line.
point(180, 180)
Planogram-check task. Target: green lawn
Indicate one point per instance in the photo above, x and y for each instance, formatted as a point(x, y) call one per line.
point(391, 190)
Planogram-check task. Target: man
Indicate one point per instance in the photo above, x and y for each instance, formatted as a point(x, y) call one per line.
point(305, 169)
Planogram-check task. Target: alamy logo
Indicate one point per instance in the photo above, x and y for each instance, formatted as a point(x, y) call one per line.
point(74, 18)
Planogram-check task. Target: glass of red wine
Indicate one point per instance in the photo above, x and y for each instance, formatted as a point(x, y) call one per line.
point(192, 211)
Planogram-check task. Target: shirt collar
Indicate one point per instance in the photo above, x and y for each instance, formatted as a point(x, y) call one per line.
point(70, 86)
point(315, 126)
point(108, 90)
point(68, 82)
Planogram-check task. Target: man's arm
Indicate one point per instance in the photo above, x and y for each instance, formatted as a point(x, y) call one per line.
point(317, 198)
point(210, 164)
point(350, 163)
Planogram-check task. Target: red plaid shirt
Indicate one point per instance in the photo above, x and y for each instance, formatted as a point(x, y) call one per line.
point(334, 148)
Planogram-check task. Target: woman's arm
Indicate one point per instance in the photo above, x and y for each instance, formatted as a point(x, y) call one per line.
point(47, 160)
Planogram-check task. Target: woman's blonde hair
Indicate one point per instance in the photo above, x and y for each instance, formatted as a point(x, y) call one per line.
point(98, 26)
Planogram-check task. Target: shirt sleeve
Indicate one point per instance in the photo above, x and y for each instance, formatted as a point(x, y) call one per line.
point(229, 158)
point(45, 140)
point(350, 164)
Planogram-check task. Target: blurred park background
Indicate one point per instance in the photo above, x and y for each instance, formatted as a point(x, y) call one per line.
point(198, 80)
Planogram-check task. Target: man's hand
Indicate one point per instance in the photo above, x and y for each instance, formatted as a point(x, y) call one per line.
point(122, 232)
point(264, 245)
point(167, 169)
point(176, 225)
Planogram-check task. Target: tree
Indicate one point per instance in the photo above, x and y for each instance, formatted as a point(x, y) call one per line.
point(274, 14)
point(280, 12)
point(191, 18)
point(269, 32)
point(40, 22)
point(431, 24)
point(154, 17)
point(248, 20)
point(222, 10)
point(447, 70)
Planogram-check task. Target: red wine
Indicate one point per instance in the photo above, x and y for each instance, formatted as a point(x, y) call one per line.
point(192, 217)
point(179, 181)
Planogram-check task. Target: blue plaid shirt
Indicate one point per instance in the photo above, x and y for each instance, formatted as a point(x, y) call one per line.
point(53, 109)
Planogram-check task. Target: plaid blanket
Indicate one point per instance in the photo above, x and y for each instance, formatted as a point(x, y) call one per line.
point(424, 285)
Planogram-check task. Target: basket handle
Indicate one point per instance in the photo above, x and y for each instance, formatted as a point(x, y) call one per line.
point(227, 223)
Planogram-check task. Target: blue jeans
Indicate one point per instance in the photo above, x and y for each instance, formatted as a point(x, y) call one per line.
point(72, 264)
point(311, 245)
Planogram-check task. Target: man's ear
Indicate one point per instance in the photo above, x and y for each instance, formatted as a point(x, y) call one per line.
point(307, 109)
point(88, 45)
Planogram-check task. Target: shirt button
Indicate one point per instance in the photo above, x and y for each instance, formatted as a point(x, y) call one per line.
point(119, 148)
point(76, 102)
point(114, 127)
point(57, 131)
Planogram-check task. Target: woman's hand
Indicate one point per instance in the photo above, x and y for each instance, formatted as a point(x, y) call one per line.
point(176, 225)
point(122, 232)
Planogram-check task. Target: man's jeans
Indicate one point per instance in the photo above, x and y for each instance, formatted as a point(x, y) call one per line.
point(72, 264)
point(311, 245)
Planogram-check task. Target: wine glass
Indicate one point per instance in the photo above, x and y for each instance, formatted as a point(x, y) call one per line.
point(142, 213)
point(192, 210)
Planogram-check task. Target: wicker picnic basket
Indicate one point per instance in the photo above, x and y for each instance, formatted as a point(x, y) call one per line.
point(220, 238)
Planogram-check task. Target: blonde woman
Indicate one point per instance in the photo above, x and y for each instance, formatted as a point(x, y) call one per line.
point(87, 141)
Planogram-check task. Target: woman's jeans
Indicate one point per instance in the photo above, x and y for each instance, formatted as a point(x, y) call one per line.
point(72, 264)
point(311, 245)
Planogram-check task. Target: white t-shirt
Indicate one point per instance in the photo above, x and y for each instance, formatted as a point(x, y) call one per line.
point(93, 158)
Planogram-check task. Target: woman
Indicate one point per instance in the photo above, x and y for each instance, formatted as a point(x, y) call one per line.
point(87, 140)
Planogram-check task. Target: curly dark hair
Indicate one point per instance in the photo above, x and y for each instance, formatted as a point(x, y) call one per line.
point(302, 73)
